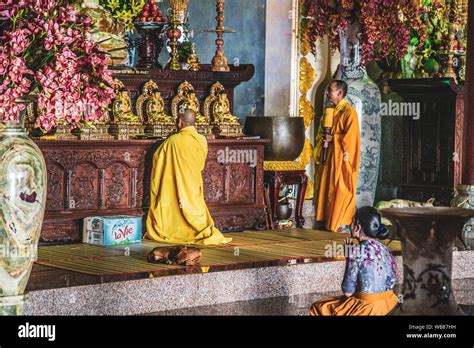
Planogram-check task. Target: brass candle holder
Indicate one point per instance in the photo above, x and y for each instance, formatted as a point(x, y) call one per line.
point(219, 62)
point(174, 33)
point(179, 8)
point(177, 18)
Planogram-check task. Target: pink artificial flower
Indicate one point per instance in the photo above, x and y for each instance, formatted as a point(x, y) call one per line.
point(18, 40)
point(87, 22)
point(75, 75)
point(88, 46)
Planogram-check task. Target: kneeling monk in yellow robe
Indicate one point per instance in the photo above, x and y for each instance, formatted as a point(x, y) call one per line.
point(336, 181)
point(178, 213)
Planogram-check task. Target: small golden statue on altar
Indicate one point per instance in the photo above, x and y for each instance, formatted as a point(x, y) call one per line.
point(192, 102)
point(155, 109)
point(151, 104)
point(187, 99)
point(193, 60)
point(221, 110)
point(122, 109)
point(125, 123)
point(217, 109)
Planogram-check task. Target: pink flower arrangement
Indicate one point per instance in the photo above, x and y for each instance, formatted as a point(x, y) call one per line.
point(384, 25)
point(46, 50)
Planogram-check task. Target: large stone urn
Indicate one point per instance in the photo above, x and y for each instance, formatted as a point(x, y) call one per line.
point(364, 95)
point(427, 235)
point(286, 133)
point(22, 205)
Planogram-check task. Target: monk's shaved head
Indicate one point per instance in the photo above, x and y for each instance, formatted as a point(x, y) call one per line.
point(188, 118)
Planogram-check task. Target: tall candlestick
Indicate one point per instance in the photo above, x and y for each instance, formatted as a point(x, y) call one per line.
point(219, 62)
point(178, 9)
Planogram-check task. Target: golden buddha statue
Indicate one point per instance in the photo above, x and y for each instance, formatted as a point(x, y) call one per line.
point(221, 110)
point(193, 60)
point(122, 109)
point(186, 99)
point(150, 106)
point(192, 102)
point(217, 108)
point(155, 109)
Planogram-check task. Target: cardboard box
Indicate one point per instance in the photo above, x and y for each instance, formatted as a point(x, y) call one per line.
point(112, 230)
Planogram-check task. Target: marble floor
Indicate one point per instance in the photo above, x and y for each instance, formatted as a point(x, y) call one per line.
point(298, 305)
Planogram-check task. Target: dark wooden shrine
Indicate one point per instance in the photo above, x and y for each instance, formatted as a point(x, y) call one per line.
point(97, 178)
point(432, 145)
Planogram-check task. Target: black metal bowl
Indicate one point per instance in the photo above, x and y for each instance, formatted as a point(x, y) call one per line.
point(286, 133)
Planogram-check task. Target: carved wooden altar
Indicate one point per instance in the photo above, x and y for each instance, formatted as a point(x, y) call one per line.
point(89, 178)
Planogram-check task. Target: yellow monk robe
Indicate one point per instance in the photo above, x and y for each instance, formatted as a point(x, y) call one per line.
point(178, 213)
point(359, 304)
point(336, 181)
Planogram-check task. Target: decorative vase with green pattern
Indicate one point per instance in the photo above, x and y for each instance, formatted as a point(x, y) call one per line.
point(23, 179)
point(365, 97)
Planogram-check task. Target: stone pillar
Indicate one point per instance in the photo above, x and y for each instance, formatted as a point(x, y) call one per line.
point(465, 192)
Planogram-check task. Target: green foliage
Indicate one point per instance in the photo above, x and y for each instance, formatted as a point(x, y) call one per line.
point(184, 50)
point(434, 18)
point(124, 10)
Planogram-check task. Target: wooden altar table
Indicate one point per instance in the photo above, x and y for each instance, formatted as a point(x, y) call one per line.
point(97, 178)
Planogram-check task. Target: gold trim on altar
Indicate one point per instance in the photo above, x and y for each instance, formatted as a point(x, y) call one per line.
point(283, 166)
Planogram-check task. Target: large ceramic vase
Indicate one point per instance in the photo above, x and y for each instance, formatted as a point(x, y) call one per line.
point(22, 204)
point(427, 236)
point(364, 95)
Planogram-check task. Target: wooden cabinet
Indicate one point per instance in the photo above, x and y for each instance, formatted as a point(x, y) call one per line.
point(432, 144)
point(88, 178)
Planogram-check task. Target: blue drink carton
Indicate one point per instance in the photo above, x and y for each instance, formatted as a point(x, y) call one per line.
point(112, 230)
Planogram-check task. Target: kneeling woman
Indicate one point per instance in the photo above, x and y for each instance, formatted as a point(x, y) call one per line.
point(370, 272)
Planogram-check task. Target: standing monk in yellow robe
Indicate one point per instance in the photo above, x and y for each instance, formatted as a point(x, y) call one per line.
point(336, 181)
point(178, 213)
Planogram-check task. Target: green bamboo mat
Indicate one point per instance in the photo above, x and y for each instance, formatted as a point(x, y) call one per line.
point(246, 248)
